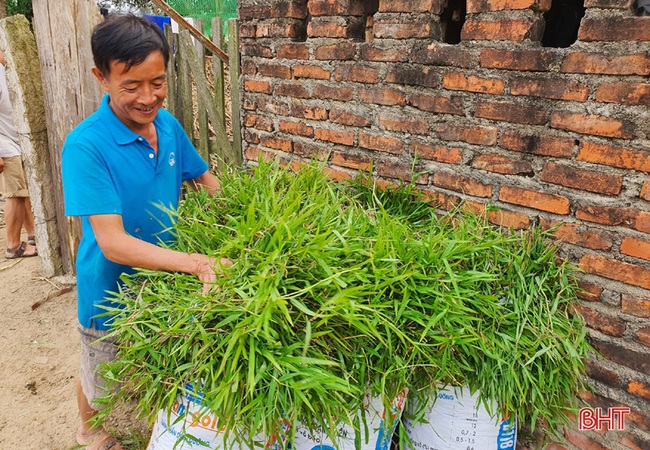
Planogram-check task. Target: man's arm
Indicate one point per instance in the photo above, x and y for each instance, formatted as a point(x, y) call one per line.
point(206, 181)
point(118, 247)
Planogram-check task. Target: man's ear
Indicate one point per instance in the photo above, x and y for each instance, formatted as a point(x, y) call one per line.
point(100, 76)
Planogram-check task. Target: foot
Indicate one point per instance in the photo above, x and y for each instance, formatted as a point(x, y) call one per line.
point(24, 250)
point(98, 439)
point(31, 240)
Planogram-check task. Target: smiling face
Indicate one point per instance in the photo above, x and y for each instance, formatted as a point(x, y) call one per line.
point(136, 94)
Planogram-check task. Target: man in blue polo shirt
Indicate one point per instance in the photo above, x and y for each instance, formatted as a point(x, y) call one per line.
point(120, 166)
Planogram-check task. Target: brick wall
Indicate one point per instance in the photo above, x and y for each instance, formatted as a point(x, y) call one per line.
point(550, 135)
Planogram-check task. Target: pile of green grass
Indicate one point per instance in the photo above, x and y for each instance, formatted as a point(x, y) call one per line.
point(341, 289)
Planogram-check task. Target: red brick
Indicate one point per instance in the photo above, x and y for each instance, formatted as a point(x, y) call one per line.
point(537, 144)
point(605, 323)
point(311, 151)
point(639, 388)
point(290, 30)
point(342, 94)
point(343, 51)
point(348, 118)
point(351, 161)
point(550, 88)
point(438, 54)
point(523, 60)
point(616, 270)
point(337, 174)
point(591, 124)
point(296, 128)
point(643, 336)
point(438, 104)
point(256, 154)
point(468, 133)
point(580, 235)
point(503, 30)
point(542, 201)
point(309, 112)
point(408, 6)
point(457, 81)
point(597, 372)
point(634, 442)
point(381, 143)
point(313, 72)
point(404, 124)
point(295, 90)
point(356, 73)
point(461, 183)
point(581, 440)
point(374, 52)
point(606, 64)
point(335, 8)
point(500, 164)
point(337, 137)
point(258, 122)
point(511, 112)
point(263, 87)
point(401, 171)
point(387, 97)
point(636, 247)
point(624, 93)
point(293, 51)
point(442, 201)
point(605, 4)
point(635, 306)
point(587, 180)
point(407, 29)
point(645, 190)
point(426, 77)
point(260, 51)
point(611, 215)
point(613, 28)
point(329, 29)
point(626, 158)
point(437, 153)
point(277, 143)
point(478, 6)
point(275, 71)
point(588, 291)
point(508, 219)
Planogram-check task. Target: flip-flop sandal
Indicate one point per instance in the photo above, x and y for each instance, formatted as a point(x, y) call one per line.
point(31, 240)
point(20, 252)
point(99, 440)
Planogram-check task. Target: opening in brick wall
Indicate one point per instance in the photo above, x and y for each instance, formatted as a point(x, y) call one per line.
point(562, 23)
point(370, 9)
point(452, 19)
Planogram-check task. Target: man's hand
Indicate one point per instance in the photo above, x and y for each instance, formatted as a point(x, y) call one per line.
point(207, 269)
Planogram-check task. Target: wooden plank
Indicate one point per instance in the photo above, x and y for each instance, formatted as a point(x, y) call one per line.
point(62, 30)
point(203, 139)
point(190, 58)
point(185, 111)
point(236, 157)
point(172, 107)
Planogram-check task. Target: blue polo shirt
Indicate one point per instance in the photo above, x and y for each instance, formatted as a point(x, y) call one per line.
point(109, 169)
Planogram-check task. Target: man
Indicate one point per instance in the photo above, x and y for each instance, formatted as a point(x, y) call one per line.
point(119, 166)
point(13, 184)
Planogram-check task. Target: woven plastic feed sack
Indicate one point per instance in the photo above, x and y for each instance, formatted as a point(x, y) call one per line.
point(188, 426)
point(458, 421)
point(379, 436)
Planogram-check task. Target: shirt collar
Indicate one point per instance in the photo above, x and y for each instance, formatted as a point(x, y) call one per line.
point(120, 132)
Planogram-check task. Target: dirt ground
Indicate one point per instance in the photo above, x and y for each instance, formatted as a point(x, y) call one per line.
point(39, 360)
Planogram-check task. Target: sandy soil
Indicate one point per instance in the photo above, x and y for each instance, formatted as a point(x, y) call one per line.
point(39, 360)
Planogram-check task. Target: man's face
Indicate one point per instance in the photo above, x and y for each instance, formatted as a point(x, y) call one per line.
point(137, 94)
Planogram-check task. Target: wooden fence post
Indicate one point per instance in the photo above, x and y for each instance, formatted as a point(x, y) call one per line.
point(62, 29)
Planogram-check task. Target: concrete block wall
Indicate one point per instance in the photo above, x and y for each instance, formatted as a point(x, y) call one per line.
point(550, 135)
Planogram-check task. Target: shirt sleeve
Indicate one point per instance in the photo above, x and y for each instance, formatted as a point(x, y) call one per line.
point(193, 165)
point(88, 187)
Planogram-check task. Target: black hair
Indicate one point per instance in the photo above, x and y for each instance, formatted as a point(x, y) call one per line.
point(128, 39)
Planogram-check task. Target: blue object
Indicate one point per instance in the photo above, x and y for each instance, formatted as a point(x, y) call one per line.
point(159, 20)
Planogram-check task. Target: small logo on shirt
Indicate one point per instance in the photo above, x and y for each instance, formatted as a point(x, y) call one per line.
point(172, 159)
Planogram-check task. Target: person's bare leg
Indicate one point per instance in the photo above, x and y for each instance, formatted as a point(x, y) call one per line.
point(28, 222)
point(14, 219)
point(95, 438)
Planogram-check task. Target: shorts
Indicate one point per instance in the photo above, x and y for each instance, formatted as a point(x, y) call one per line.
point(13, 182)
point(94, 353)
